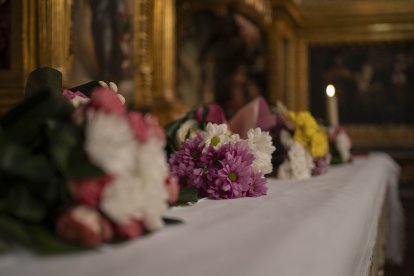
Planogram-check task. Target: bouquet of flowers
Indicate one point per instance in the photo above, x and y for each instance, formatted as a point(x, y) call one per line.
point(221, 165)
point(86, 172)
point(302, 145)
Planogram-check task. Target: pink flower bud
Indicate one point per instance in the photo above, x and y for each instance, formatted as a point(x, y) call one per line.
point(153, 124)
point(89, 191)
point(138, 125)
point(130, 230)
point(84, 225)
point(173, 188)
point(107, 100)
point(215, 114)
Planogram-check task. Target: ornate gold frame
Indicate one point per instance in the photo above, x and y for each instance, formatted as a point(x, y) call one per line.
point(40, 37)
point(357, 23)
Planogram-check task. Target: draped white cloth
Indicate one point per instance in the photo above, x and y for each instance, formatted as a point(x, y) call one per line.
point(324, 226)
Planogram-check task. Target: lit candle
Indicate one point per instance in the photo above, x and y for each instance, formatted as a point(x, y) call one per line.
point(332, 106)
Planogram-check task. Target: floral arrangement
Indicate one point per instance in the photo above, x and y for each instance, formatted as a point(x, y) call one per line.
point(221, 165)
point(340, 145)
point(87, 172)
point(302, 145)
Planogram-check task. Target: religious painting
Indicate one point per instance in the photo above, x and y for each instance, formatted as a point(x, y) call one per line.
point(102, 43)
point(220, 58)
point(5, 34)
point(374, 82)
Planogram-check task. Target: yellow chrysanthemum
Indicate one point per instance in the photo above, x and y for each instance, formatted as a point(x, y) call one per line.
point(319, 144)
point(309, 134)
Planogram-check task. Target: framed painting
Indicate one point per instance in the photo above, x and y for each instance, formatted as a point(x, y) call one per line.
point(371, 65)
point(374, 84)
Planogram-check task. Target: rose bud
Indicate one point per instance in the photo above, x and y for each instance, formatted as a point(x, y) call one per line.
point(84, 225)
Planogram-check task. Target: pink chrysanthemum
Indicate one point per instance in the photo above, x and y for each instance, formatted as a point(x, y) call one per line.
point(186, 163)
point(257, 186)
point(228, 170)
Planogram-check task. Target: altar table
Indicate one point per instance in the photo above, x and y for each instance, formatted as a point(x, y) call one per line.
point(323, 226)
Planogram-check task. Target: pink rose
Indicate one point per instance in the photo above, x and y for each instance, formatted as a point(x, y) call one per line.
point(138, 125)
point(132, 229)
point(84, 225)
point(173, 188)
point(105, 99)
point(154, 125)
point(89, 191)
point(215, 114)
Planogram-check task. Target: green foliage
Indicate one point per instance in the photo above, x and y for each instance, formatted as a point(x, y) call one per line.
point(187, 196)
point(172, 128)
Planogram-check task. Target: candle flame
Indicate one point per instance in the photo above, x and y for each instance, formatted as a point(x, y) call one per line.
point(330, 90)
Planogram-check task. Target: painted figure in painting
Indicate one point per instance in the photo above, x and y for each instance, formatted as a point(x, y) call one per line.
point(375, 82)
point(102, 42)
point(220, 58)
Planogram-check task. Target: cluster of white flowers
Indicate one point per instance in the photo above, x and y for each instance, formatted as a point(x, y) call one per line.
point(299, 163)
point(186, 128)
point(343, 145)
point(217, 135)
point(138, 169)
point(258, 141)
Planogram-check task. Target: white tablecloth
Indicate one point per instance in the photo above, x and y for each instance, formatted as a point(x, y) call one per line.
point(324, 226)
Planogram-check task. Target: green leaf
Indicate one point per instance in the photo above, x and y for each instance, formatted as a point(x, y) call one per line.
point(171, 221)
point(12, 229)
point(187, 195)
point(83, 170)
point(17, 161)
point(44, 79)
point(63, 139)
point(35, 236)
point(45, 241)
point(22, 123)
point(25, 206)
point(86, 88)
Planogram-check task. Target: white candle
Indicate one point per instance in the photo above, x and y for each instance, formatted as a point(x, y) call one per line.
point(332, 106)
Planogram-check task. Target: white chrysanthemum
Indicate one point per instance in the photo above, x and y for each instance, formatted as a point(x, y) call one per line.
point(216, 135)
point(110, 142)
point(301, 161)
point(298, 165)
point(184, 130)
point(260, 143)
point(286, 139)
point(285, 171)
point(234, 138)
point(141, 195)
point(343, 145)
point(152, 167)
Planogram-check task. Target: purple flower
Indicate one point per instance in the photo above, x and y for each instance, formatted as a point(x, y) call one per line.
point(186, 164)
point(229, 170)
point(257, 186)
point(321, 164)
